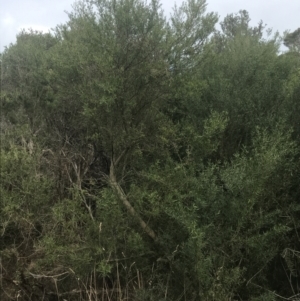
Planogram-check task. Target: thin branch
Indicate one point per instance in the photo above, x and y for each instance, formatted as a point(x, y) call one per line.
point(37, 276)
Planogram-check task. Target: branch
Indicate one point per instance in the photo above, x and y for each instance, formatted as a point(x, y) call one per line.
point(121, 194)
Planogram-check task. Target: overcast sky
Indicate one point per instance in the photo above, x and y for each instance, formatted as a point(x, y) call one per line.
point(46, 14)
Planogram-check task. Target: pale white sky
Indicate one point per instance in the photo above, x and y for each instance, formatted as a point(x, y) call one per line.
point(45, 14)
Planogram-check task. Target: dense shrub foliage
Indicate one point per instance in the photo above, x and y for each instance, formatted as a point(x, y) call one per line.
point(150, 158)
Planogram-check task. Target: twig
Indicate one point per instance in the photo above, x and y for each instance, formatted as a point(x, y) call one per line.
point(38, 276)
